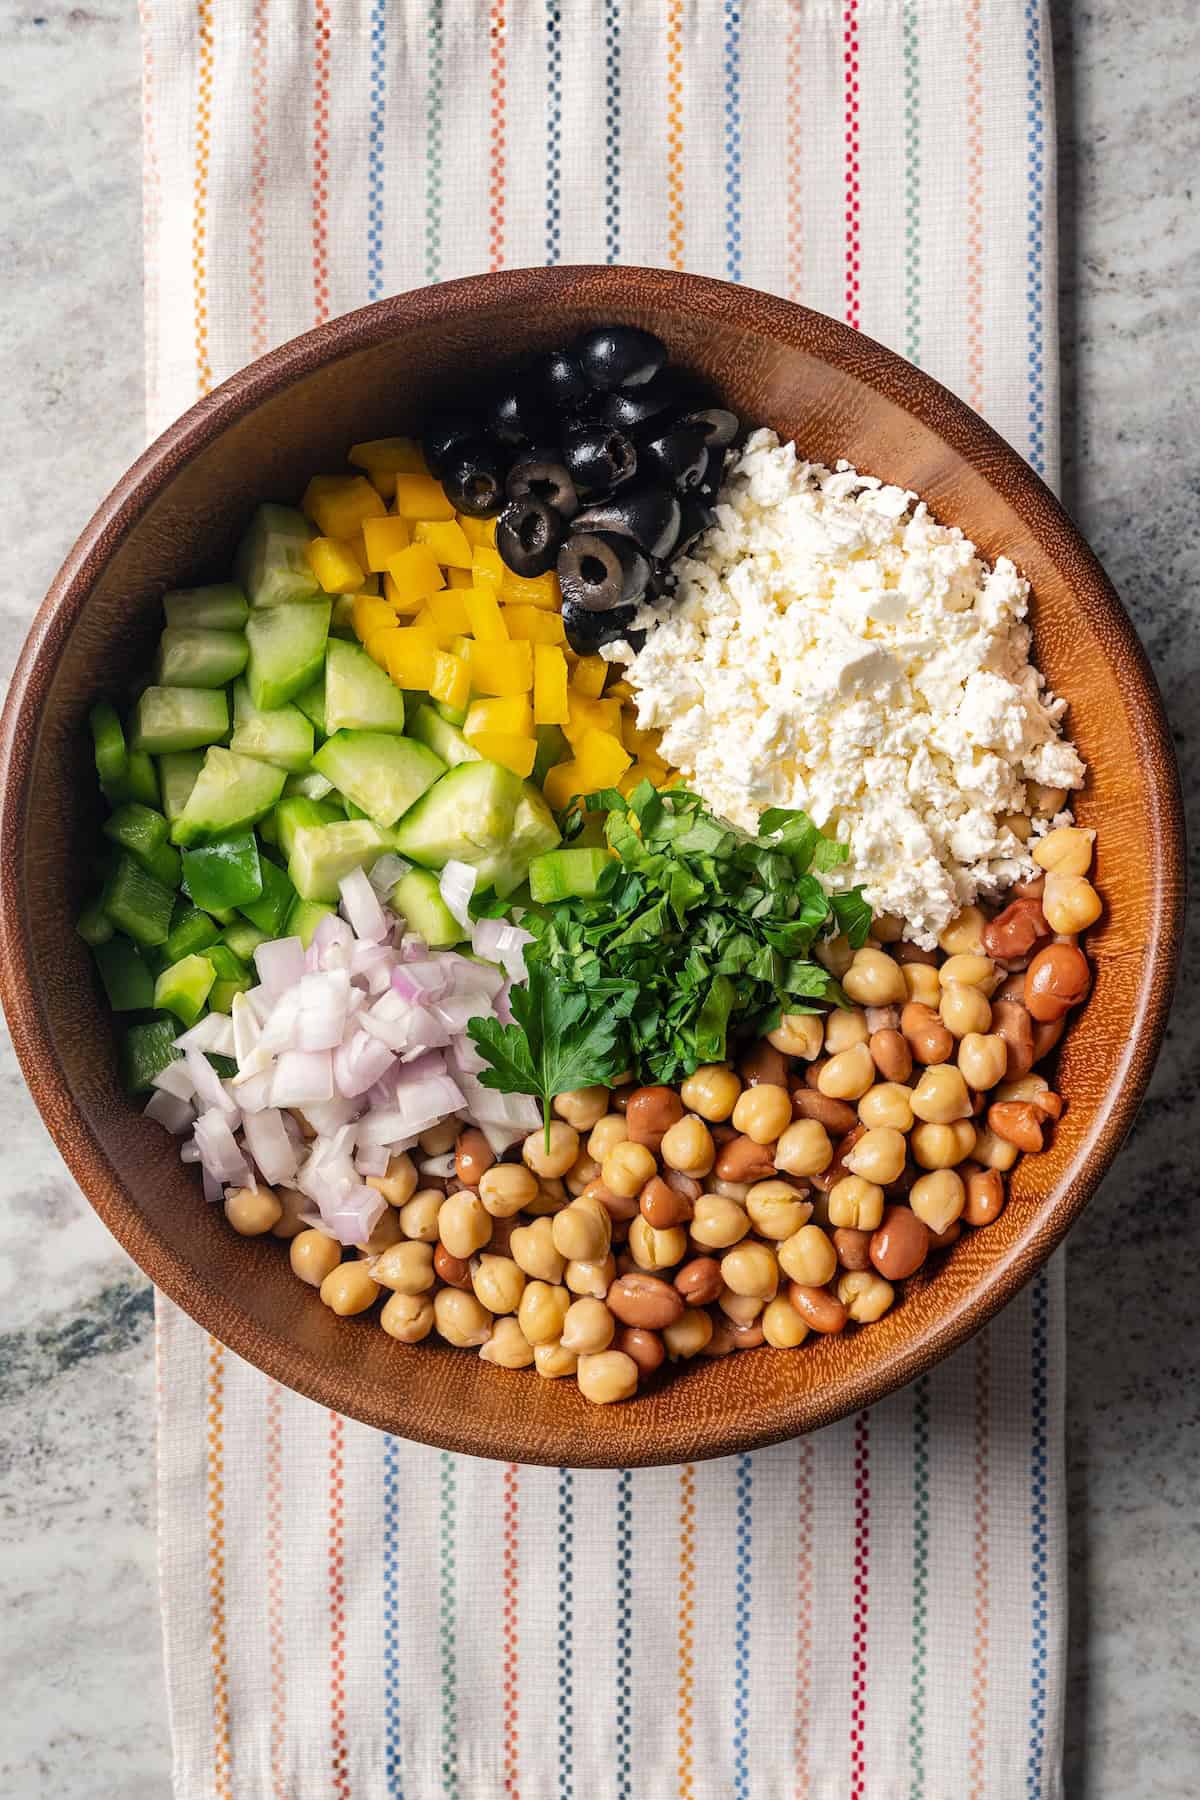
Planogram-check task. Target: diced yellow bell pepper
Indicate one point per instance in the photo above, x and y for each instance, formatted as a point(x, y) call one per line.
point(390, 456)
point(384, 539)
point(533, 623)
point(599, 761)
point(620, 689)
point(478, 531)
point(371, 615)
point(640, 771)
point(542, 590)
point(512, 717)
point(462, 646)
point(446, 539)
point(451, 680)
point(591, 715)
point(549, 685)
point(449, 612)
point(425, 621)
point(384, 483)
point(338, 504)
point(561, 784)
point(589, 675)
point(516, 753)
point(421, 497)
point(416, 575)
point(501, 668)
point(460, 578)
point(487, 621)
point(487, 567)
point(399, 601)
point(411, 657)
point(379, 642)
point(635, 740)
point(335, 565)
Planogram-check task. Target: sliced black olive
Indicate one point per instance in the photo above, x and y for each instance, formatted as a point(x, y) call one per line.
point(620, 356)
point(600, 570)
point(669, 392)
point(648, 515)
point(543, 477)
point(696, 518)
point(443, 434)
point(679, 456)
point(563, 381)
point(528, 536)
point(719, 427)
point(518, 414)
point(473, 477)
point(587, 630)
point(709, 485)
point(597, 457)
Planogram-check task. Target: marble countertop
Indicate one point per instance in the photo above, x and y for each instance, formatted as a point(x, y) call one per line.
point(80, 1661)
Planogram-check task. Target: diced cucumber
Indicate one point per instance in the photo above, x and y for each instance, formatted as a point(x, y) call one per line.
point(359, 695)
point(192, 931)
point(221, 607)
point(128, 983)
point(482, 814)
point(287, 651)
point(419, 899)
point(147, 1050)
point(444, 739)
point(183, 988)
point(189, 656)
point(566, 874)
point(230, 791)
point(137, 904)
point(380, 772)
point(108, 740)
point(273, 905)
point(271, 566)
point(177, 775)
point(304, 918)
point(95, 926)
point(139, 782)
point(290, 815)
point(224, 872)
point(242, 939)
point(323, 854)
point(552, 747)
point(179, 718)
point(138, 829)
point(453, 715)
point(232, 977)
point(282, 736)
point(312, 704)
point(311, 785)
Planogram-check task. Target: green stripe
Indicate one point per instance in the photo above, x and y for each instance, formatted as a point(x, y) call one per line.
point(435, 32)
point(912, 185)
point(448, 1627)
point(918, 1698)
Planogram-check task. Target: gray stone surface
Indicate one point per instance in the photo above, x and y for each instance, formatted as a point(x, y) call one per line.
point(80, 1664)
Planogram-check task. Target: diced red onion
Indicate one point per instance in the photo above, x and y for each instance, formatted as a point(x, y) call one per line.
point(254, 1091)
point(420, 981)
point(502, 943)
point(170, 1111)
point(360, 1062)
point(386, 872)
point(418, 1108)
point(213, 1032)
point(209, 1086)
point(270, 1146)
point(373, 1159)
point(502, 1137)
point(280, 964)
point(189, 1152)
point(360, 905)
point(482, 981)
point(465, 1057)
point(219, 1150)
point(488, 1106)
point(332, 1118)
point(353, 1221)
point(302, 1077)
point(456, 883)
point(247, 1029)
point(175, 1080)
point(439, 1167)
point(214, 1190)
point(323, 1002)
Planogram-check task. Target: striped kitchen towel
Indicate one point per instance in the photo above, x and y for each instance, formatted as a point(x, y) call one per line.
point(874, 1612)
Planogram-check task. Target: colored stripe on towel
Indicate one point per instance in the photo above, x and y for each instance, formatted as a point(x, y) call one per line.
point(612, 130)
point(202, 152)
point(687, 1628)
point(624, 1722)
point(151, 217)
point(435, 38)
point(981, 1559)
point(511, 1663)
point(339, 1747)
point(217, 1630)
point(918, 1695)
point(733, 141)
point(1039, 1469)
point(1035, 287)
point(802, 1728)
point(497, 82)
point(554, 76)
point(973, 32)
point(853, 151)
point(859, 1607)
point(256, 198)
point(566, 1634)
point(741, 1630)
point(448, 1620)
point(276, 1639)
point(675, 187)
point(795, 156)
point(377, 122)
point(322, 33)
point(912, 183)
point(391, 1617)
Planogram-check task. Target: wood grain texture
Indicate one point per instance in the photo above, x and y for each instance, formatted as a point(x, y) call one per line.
point(174, 521)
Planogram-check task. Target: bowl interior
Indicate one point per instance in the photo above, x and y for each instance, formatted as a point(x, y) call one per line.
point(175, 520)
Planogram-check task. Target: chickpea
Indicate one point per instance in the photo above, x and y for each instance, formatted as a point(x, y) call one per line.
point(408, 1317)
point(866, 1296)
point(975, 971)
point(292, 1205)
point(419, 1216)
point(848, 1075)
point(349, 1289)
point(752, 1270)
point(688, 1147)
point(762, 1113)
point(649, 1112)
point(407, 1268)
point(963, 936)
point(313, 1256)
point(740, 1309)
point(1020, 826)
point(463, 1223)
point(853, 1247)
point(797, 1034)
point(804, 1148)
point(385, 1232)
point(878, 1157)
point(983, 1060)
point(552, 1196)
point(711, 1092)
point(923, 986)
point(875, 979)
point(253, 1210)
point(587, 1327)
point(606, 1134)
point(964, 1010)
point(777, 1209)
point(591, 1279)
point(808, 1257)
point(582, 1232)
point(472, 1156)
point(542, 1311)
point(552, 1157)
point(845, 1027)
point(984, 1196)
point(655, 1249)
point(1070, 903)
point(627, 1168)
point(581, 1174)
point(1045, 802)
point(834, 954)
point(782, 1326)
point(994, 1152)
point(439, 1140)
point(731, 1190)
point(507, 1187)
point(508, 1347)
point(582, 1107)
point(717, 1223)
point(938, 1199)
point(400, 1182)
point(1065, 851)
point(888, 1103)
point(942, 1146)
point(554, 1361)
point(941, 1095)
point(532, 1249)
point(688, 1335)
point(855, 1204)
point(498, 1283)
point(610, 1375)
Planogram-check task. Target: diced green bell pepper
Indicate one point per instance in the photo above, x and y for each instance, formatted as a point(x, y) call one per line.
point(137, 904)
point(184, 988)
point(138, 783)
point(233, 977)
point(95, 926)
point(275, 902)
point(147, 1049)
point(243, 939)
point(109, 741)
point(137, 829)
point(192, 931)
point(224, 873)
point(304, 918)
point(128, 983)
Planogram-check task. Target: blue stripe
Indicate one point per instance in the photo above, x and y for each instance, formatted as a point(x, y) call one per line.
point(1038, 1475)
point(733, 141)
point(625, 1635)
point(435, 37)
point(741, 1631)
point(375, 149)
point(612, 130)
point(553, 131)
point(391, 1616)
point(566, 1634)
point(448, 1624)
point(1035, 266)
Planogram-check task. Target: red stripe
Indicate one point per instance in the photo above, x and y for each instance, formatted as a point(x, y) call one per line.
point(977, 1742)
point(274, 1559)
point(320, 182)
point(256, 256)
point(804, 1617)
point(497, 27)
point(337, 1609)
point(973, 29)
point(853, 210)
point(512, 1523)
point(795, 162)
point(862, 1561)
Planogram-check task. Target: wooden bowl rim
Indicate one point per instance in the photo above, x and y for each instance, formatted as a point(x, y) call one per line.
point(604, 289)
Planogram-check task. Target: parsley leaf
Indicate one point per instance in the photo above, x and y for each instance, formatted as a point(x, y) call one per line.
point(563, 1038)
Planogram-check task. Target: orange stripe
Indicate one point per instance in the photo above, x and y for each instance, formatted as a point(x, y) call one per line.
point(497, 26)
point(687, 1626)
point(675, 214)
point(204, 87)
point(337, 1608)
point(151, 213)
point(258, 178)
point(973, 29)
point(511, 1570)
point(977, 1740)
point(275, 1633)
point(804, 1617)
point(216, 1570)
point(320, 182)
point(795, 162)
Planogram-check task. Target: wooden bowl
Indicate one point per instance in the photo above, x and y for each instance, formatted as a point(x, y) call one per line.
point(174, 521)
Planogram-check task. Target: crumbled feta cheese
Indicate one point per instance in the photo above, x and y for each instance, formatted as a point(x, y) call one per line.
point(832, 647)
